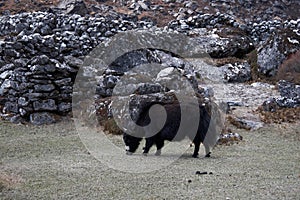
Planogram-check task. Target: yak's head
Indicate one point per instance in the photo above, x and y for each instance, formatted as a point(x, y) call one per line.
point(131, 143)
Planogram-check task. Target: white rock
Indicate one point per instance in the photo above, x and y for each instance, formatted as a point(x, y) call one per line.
point(293, 41)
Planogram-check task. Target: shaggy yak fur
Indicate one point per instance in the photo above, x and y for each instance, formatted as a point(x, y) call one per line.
point(170, 129)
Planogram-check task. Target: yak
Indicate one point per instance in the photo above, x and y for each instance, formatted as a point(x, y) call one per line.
point(170, 129)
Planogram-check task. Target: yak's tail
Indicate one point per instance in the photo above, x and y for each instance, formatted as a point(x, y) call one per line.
point(215, 126)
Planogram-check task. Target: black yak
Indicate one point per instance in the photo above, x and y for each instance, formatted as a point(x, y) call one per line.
point(169, 131)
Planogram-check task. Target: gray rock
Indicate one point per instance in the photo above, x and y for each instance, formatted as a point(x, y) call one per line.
point(22, 101)
point(7, 67)
point(248, 124)
point(73, 7)
point(269, 58)
point(288, 90)
point(5, 74)
point(40, 60)
point(237, 72)
point(21, 62)
point(33, 96)
point(220, 47)
point(10, 107)
point(110, 81)
point(63, 82)
point(64, 107)
point(46, 30)
point(42, 118)
point(44, 88)
point(287, 102)
point(45, 105)
point(43, 68)
point(148, 88)
point(270, 105)
point(11, 53)
point(16, 119)
point(23, 112)
point(290, 97)
point(73, 61)
point(9, 84)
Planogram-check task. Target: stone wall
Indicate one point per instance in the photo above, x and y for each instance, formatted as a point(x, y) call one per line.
point(41, 52)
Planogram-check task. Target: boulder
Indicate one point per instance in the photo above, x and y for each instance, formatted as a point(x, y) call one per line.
point(269, 58)
point(73, 7)
point(289, 97)
point(237, 72)
point(290, 94)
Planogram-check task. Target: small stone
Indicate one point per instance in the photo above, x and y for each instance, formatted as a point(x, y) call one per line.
point(22, 111)
point(201, 173)
point(22, 101)
point(5, 74)
point(16, 119)
point(64, 107)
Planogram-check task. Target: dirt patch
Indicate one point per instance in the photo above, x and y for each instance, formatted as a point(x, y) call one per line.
point(9, 181)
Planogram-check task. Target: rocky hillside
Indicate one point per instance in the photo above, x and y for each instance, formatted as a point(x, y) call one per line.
point(43, 44)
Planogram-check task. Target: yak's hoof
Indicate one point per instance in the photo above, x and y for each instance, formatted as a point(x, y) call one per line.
point(145, 154)
point(195, 155)
point(207, 155)
point(158, 153)
point(128, 153)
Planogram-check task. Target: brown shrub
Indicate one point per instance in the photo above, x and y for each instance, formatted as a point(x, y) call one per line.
point(281, 115)
point(111, 127)
point(290, 69)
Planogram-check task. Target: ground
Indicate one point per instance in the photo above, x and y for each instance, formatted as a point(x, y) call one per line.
point(50, 162)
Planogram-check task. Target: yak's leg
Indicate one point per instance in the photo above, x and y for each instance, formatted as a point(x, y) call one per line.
point(159, 146)
point(196, 149)
point(149, 143)
point(207, 151)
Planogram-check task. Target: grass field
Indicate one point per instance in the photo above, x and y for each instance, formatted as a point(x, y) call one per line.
point(50, 162)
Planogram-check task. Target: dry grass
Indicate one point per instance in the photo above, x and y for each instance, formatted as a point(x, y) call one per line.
point(281, 115)
point(229, 60)
point(236, 123)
